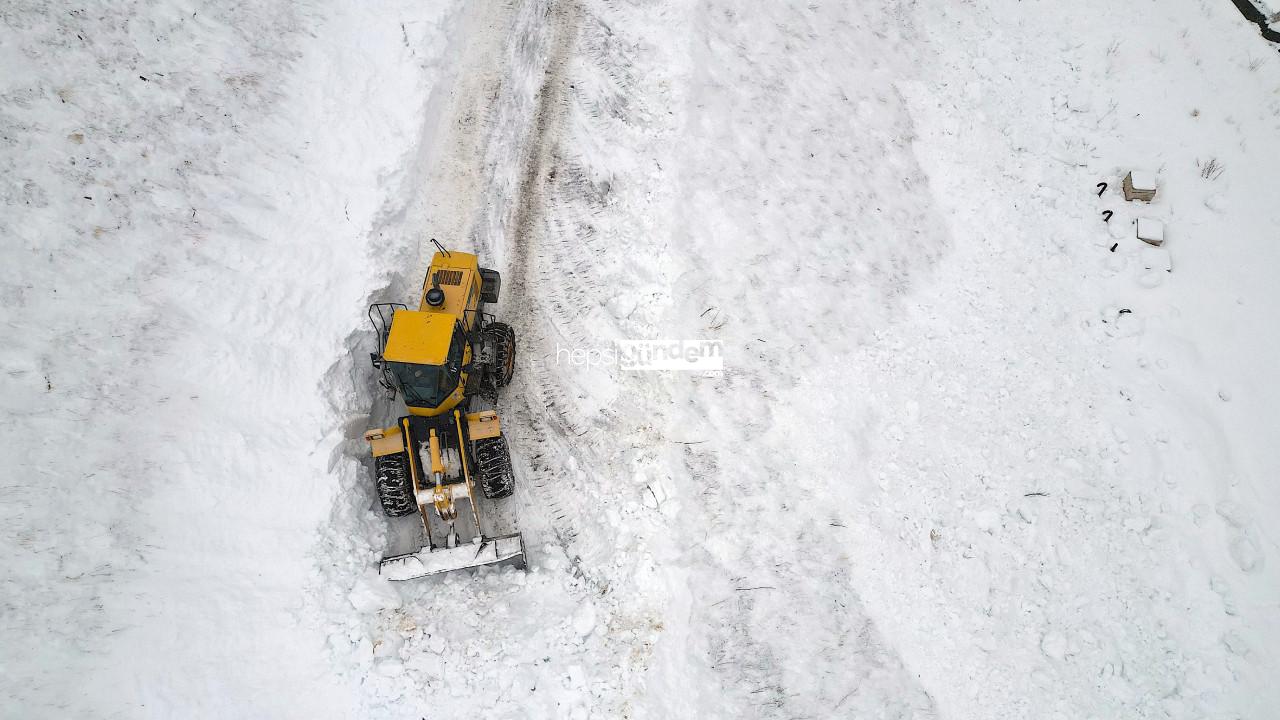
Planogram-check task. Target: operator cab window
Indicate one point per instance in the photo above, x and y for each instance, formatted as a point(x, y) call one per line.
point(456, 348)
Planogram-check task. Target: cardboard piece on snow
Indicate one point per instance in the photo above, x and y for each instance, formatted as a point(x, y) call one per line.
point(1140, 185)
point(1150, 231)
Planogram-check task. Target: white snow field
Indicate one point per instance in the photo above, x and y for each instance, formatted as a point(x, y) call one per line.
point(974, 453)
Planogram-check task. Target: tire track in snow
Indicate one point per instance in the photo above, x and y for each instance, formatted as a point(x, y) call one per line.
point(586, 437)
point(555, 446)
point(535, 510)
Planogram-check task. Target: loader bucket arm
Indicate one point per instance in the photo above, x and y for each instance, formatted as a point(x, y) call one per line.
point(428, 436)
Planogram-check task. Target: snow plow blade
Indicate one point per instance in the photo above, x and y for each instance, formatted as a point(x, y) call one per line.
point(501, 550)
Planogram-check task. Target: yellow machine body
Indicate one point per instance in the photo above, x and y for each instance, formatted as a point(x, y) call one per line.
point(425, 336)
point(420, 338)
point(458, 275)
point(433, 461)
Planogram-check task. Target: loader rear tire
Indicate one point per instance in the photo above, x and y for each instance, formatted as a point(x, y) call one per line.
point(504, 358)
point(395, 487)
point(493, 463)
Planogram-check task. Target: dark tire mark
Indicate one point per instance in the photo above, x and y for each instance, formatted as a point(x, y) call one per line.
point(548, 119)
point(1257, 17)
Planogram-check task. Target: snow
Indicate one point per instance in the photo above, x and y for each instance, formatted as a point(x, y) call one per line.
point(1143, 180)
point(973, 452)
point(1157, 258)
point(180, 186)
point(373, 593)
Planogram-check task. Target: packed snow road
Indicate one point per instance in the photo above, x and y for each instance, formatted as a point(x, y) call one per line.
point(973, 451)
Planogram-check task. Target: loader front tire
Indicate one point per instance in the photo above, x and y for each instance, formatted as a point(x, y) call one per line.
point(395, 487)
point(493, 463)
point(504, 357)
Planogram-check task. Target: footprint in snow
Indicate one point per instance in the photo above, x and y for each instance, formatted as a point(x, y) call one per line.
point(1054, 645)
point(1246, 553)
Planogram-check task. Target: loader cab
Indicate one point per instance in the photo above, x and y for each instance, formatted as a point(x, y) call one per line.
point(429, 386)
point(424, 359)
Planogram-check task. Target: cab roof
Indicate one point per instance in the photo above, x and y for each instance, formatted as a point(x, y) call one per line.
point(419, 337)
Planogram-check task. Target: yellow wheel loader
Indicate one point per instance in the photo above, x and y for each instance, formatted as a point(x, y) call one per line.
point(434, 459)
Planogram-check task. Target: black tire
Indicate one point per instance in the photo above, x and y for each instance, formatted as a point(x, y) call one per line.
point(493, 463)
point(490, 285)
point(504, 356)
point(395, 486)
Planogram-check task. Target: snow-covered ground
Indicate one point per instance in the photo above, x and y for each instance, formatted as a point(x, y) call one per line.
point(186, 193)
point(974, 452)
